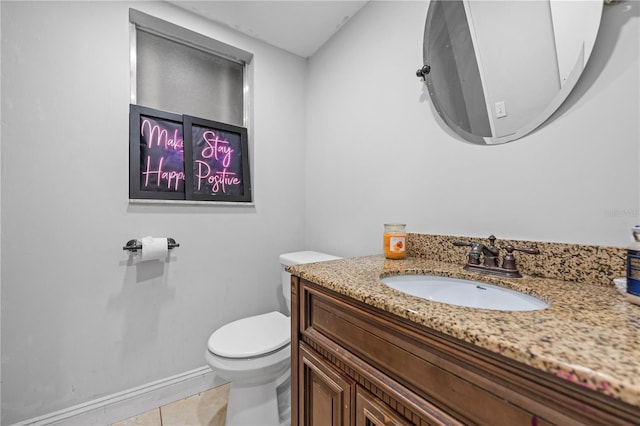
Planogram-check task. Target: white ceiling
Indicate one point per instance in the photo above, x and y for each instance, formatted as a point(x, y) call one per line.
point(299, 27)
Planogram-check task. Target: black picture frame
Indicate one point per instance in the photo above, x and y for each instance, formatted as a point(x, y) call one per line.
point(182, 157)
point(217, 168)
point(156, 154)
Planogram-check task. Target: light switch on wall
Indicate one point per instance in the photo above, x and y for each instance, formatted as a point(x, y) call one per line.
point(501, 109)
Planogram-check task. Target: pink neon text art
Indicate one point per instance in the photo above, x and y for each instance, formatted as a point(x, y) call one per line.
point(215, 145)
point(161, 136)
point(217, 150)
point(172, 177)
point(217, 180)
point(166, 150)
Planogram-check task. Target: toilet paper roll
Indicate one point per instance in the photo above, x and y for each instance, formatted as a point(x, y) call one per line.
point(154, 248)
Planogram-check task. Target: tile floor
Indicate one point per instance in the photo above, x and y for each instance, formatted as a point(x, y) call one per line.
point(208, 408)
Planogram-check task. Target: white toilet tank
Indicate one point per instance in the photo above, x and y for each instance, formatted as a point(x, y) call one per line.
point(297, 258)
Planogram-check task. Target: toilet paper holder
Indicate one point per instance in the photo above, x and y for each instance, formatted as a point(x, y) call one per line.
point(135, 245)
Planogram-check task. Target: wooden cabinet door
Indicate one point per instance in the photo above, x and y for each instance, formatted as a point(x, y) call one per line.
point(371, 411)
point(326, 395)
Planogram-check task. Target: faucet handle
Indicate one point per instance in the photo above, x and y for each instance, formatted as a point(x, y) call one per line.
point(528, 250)
point(509, 261)
point(462, 244)
point(474, 254)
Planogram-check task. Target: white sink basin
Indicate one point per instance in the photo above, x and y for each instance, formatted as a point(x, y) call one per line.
point(461, 292)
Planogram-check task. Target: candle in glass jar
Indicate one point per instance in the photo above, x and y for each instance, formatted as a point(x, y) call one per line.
point(395, 241)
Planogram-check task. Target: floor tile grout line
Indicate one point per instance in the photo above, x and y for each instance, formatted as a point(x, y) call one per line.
point(170, 412)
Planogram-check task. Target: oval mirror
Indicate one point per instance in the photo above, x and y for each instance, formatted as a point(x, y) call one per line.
point(499, 69)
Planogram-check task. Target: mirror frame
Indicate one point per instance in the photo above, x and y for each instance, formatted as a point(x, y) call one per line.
point(565, 20)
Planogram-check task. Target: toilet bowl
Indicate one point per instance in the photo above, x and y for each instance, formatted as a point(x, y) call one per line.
point(254, 355)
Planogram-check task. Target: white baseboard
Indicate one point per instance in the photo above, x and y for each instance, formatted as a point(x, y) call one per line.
point(122, 405)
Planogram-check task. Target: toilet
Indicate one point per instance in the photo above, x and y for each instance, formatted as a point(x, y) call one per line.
point(254, 355)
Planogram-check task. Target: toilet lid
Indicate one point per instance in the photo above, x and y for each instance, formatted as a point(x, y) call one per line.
point(252, 336)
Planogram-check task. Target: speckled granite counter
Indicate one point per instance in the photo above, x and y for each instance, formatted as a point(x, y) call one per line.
point(589, 335)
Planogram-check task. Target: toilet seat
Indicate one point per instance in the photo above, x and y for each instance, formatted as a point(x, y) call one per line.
point(251, 337)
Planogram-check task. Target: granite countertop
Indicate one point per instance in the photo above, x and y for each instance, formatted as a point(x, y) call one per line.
point(589, 335)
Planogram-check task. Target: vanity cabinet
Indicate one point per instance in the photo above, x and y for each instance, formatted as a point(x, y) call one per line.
point(354, 364)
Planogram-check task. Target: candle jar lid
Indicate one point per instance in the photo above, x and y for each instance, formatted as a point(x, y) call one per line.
point(395, 227)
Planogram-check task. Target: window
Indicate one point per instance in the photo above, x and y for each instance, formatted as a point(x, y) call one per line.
point(184, 74)
point(181, 71)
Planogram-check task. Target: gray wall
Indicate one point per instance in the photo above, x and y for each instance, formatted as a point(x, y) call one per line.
point(78, 320)
point(377, 153)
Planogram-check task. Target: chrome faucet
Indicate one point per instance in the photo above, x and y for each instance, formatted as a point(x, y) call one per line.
point(489, 254)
